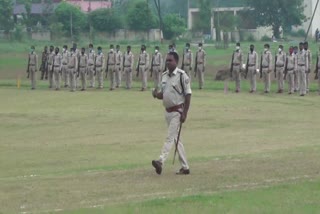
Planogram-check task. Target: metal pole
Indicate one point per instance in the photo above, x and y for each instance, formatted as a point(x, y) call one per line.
point(314, 12)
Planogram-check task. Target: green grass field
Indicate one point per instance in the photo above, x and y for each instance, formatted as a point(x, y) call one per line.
point(91, 152)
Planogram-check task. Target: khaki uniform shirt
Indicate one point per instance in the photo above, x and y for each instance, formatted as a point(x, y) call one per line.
point(73, 61)
point(50, 58)
point(57, 60)
point(175, 87)
point(83, 61)
point(201, 57)
point(267, 60)
point(33, 59)
point(65, 56)
point(91, 57)
point(128, 59)
point(157, 59)
point(119, 58)
point(318, 60)
point(281, 59)
point(253, 59)
point(291, 65)
point(100, 62)
point(302, 59)
point(188, 58)
point(144, 59)
point(237, 59)
point(111, 60)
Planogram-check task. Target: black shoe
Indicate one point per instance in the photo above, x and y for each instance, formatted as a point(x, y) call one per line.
point(183, 171)
point(83, 89)
point(158, 166)
point(301, 95)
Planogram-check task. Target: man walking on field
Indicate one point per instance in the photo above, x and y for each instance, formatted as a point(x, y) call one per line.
point(175, 92)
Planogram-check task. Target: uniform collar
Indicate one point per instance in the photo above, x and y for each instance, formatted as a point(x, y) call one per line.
point(173, 73)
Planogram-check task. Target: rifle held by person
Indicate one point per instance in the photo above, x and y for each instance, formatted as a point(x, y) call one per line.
point(196, 66)
point(231, 65)
point(138, 67)
point(275, 65)
point(317, 69)
point(28, 71)
point(151, 69)
point(182, 66)
point(261, 58)
point(286, 69)
point(247, 68)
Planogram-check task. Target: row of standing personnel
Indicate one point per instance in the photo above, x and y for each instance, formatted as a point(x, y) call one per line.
point(74, 64)
point(294, 66)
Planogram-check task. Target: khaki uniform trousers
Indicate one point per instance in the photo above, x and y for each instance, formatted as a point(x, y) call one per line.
point(112, 76)
point(296, 80)
point(188, 71)
point(65, 75)
point(319, 80)
point(128, 75)
point(280, 76)
point(307, 80)
point(173, 122)
point(72, 74)
point(302, 79)
point(236, 73)
point(252, 74)
point(200, 73)
point(83, 77)
point(32, 76)
point(118, 74)
point(144, 76)
point(57, 76)
point(156, 76)
point(291, 84)
point(91, 75)
point(100, 76)
point(266, 79)
point(50, 76)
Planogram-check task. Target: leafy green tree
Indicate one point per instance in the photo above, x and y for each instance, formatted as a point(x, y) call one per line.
point(276, 13)
point(140, 17)
point(105, 20)
point(71, 17)
point(203, 21)
point(173, 26)
point(6, 22)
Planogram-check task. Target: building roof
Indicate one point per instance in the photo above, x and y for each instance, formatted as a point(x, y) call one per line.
point(87, 6)
point(36, 8)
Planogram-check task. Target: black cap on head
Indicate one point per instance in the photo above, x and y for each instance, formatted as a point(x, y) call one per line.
point(281, 46)
point(143, 46)
point(91, 45)
point(200, 44)
point(252, 45)
point(188, 45)
point(301, 43)
point(238, 44)
point(129, 46)
point(306, 43)
point(83, 49)
point(267, 45)
point(157, 47)
point(118, 46)
point(57, 49)
point(32, 47)
point(65, 46)
point(99, 48)
point(111, 46)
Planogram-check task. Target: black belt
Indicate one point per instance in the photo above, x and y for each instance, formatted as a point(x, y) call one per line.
point(279, 66)
point(251, 65)
point(141, 64)
point(290, 69)
point(186, 64)
point(70, 67)
point(301, 64)
point(127, 66)
point(175, 108)
point(155, 65)
point(110, 64)
point(31, 65)
point(265, 66)
point(118, 64)
point(83, 66)
point(57, 66)
point(98, 66)
point(236, 64)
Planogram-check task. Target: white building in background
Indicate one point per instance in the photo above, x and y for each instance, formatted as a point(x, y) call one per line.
point(234, 6)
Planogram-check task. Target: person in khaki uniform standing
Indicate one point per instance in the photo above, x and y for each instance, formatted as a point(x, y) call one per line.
point(77, 53)
point(32, 67)
point(50, 66)
point(128, 59)
point(175, 92)
point(111, 67)
point(156, 67)
point(91, 60)
point(83, 67)
point(296, 74)
point(187, 60)
point(119, 65)
point(309, 55)
point(72, 66)
point(252, 68)
point(302, 66)
point(281, 60)
point(266, 65)
point(99, 66)
point(200, 65)
point(44, 64)
point(65, 71)
point(291, 68)
point(57, 64)
point(236, 66)
point(142, 67)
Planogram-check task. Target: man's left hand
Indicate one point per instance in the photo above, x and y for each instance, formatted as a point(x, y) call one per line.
point(183, 117)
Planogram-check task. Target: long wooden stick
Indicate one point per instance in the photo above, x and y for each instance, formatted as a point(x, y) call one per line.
point(177, 142)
